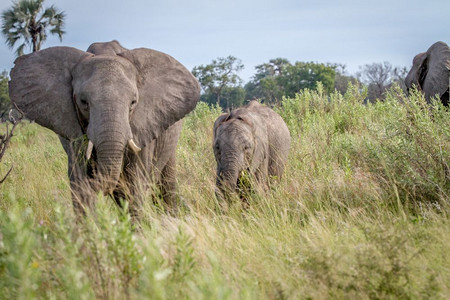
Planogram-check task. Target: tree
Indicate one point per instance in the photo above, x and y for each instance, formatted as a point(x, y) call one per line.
point(342, 79)
point(306, 75)
point(379, 77)
point(231, 97)
point(27, 21)
point(5, 102)
point(267, 82)
point(280, 78)
point(220, 74)
point(275, 67)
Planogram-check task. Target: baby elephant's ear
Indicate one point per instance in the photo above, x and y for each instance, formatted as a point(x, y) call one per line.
point(41, 86)
point(222, 118)
point(167, 92)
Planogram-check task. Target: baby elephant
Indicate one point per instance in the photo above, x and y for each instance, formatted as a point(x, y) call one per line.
point(252, 140)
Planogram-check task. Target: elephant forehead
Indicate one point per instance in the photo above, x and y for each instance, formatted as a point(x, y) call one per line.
point(234, 131)
point(108, 67)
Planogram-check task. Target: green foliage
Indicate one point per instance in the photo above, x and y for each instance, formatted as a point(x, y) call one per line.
point(219, 80)
point(361, 213)
point(184, 260)
point(342, 79)
point(267, 83)
point(231, 97)
point(306, 75)
point(404, 145)
point(5, 102)
point(279, 78)
point(27, 21)
point(18, 267)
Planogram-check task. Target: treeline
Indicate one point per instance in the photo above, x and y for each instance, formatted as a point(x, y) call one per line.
point(278, 78)
point(274, 80)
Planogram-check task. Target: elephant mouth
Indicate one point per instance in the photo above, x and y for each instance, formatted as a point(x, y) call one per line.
point(244, 182)
point(93, 168)
point(244, 187)
point(131, 144)
point(91, 164)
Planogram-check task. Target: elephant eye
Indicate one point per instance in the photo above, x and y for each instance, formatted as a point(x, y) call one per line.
point(84, 102)
point(133, 104)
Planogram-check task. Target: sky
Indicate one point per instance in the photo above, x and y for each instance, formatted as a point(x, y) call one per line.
point(195, 32)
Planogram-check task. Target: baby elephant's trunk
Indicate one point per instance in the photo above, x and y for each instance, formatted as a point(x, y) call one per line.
point(226, 182)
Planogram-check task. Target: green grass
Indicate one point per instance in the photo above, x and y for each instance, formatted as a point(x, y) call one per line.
point(362, 212)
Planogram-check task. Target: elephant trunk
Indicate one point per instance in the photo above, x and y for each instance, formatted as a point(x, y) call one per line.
point(110, 132)
point(109, 159)
point(227, 178)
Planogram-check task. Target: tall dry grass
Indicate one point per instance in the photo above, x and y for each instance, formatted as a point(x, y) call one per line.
point(361, 212)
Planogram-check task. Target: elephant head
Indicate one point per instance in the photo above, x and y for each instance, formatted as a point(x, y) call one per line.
point(118, 101)
point(108, 48)
point(239, 148)
point(430, 72)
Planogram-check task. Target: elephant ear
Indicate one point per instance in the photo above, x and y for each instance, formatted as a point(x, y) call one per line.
point(222, 118)
point(418, 71)
point(41, 86)
point(167, 92)
point(437, 77)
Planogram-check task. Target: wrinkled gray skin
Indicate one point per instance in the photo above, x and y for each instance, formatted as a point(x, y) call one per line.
point(253, 139)
point(109, 48)
point(430, 72)
point(109, 96)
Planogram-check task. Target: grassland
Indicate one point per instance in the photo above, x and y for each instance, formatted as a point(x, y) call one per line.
point(362, 212)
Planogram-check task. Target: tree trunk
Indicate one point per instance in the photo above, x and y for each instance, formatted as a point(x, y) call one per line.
point(34, 39)
point(219, 91)
point(34, 31)
point(218, 99)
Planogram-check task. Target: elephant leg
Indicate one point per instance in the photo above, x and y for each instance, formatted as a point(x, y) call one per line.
point(445, 98)
point(277, 161)
point(168, 185)
point(120, 195)
point(83, 197)
point(131, 185)
point(262, 174)
point(262, 180)
point(82, 194)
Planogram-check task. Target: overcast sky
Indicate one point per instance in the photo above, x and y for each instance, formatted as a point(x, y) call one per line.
point(195, 32)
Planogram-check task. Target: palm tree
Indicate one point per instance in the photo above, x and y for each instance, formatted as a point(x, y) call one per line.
point(27, 21)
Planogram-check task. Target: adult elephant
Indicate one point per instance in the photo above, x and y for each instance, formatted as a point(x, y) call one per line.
point(117, 112)
point(430, 72)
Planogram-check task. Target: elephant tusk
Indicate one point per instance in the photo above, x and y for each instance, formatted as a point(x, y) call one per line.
point(89, 150)
point(133, 146)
